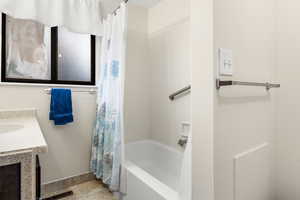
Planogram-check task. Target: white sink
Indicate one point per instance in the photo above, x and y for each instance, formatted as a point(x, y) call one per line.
point(20, 131)
point(6, 128)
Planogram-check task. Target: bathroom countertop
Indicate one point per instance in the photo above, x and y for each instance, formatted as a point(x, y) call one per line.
point(19, 131)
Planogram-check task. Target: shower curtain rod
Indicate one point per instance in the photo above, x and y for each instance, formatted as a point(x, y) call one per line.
point(115, 11)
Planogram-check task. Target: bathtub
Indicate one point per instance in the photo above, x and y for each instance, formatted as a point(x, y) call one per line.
point(153, 171)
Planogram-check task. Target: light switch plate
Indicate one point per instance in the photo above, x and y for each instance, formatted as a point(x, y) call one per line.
point(225, 62)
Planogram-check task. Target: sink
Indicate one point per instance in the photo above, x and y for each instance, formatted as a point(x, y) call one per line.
point(6, 128)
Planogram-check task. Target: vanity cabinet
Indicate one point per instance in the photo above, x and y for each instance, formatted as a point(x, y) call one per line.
point(38, 182)
point(14, 177)
point(21, 141)
point(10, 182)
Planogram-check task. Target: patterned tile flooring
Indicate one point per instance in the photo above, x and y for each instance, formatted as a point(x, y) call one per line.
point(92, 190)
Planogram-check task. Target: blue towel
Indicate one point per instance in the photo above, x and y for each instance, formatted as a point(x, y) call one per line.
point(61, 106)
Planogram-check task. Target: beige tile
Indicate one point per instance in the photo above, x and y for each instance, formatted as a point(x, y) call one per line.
point(92, 190)
point(69, 198)
point(55, 187)
point(98, 196)
point(89, 188)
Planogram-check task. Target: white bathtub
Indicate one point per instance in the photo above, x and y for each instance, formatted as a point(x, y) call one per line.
point(153, 171)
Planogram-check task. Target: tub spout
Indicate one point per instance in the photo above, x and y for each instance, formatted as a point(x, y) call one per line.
point(183, 141)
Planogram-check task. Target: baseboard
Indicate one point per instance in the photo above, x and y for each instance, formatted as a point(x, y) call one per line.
point(62, 185)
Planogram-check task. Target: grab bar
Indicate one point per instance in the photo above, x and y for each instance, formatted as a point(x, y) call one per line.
point(179, 92)
point(220, 83)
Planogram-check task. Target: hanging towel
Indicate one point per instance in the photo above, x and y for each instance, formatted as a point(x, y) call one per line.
point(61, 106)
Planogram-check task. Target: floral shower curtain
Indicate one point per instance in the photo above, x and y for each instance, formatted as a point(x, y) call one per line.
point(107, 144)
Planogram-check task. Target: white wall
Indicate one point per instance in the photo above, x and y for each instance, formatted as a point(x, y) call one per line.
point(170, 71)
point(288, 138)
point(157, 65)
point(166, 13)
point(201, 41)
point(137, 83)
point(69, 146)
point(244, 116)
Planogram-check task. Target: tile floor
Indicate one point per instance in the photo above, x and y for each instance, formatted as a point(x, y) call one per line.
point(91, 190)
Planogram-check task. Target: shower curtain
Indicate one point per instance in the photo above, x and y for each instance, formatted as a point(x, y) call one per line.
point(107, 144)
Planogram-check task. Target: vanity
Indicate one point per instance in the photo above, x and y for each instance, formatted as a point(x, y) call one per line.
point(21, 141)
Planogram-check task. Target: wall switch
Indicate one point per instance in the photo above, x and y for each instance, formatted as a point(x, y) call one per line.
point(225, 62)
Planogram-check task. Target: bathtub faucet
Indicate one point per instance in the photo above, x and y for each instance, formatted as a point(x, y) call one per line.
point(183, 141)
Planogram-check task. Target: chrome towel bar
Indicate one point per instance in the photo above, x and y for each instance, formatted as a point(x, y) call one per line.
point(91, 91)
point(220, 83)
point(179, 92)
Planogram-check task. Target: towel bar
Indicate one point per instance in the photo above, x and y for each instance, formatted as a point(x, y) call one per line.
point(268, 86)
point(91, 91)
